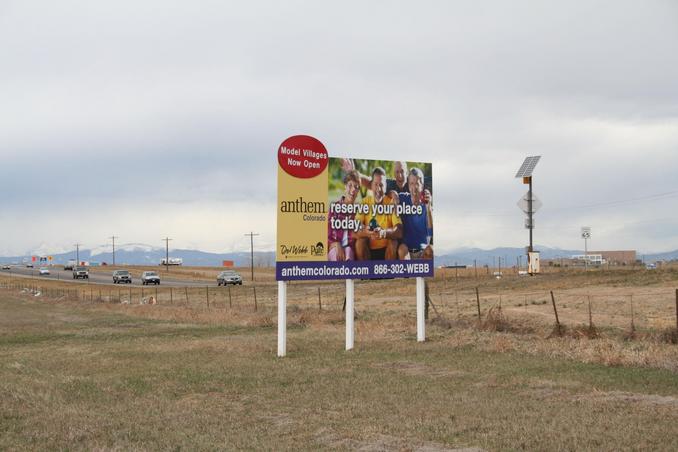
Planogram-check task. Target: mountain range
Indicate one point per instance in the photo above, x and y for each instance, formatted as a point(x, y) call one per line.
point(141, 254)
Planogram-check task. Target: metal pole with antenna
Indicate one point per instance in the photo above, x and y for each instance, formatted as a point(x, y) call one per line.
point(529, 205)
point(77, 253)
point(530, 213)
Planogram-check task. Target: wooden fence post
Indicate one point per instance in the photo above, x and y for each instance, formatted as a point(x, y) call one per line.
point(207, 295)
point(254, 289)
point(171, 296)
point(186, 288)
point(553, 300)
point(633, 323)
point(320, 303)
point(478, 304)
point(230, 302)
point(676, 309)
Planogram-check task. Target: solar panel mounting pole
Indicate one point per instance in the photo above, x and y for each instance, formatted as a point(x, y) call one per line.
point(530, 213)
point(525, 172)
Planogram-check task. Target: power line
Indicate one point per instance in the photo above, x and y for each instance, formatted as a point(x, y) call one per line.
point(621, 202)
point(657, 196)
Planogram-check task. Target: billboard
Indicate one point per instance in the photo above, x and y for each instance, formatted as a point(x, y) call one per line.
point(347, 218)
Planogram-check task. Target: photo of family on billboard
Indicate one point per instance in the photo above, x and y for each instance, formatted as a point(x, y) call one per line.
point(379, 210)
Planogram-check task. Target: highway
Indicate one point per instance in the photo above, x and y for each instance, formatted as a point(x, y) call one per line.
point(99, 277)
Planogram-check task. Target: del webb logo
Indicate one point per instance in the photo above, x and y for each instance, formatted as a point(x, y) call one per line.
point(303, 250)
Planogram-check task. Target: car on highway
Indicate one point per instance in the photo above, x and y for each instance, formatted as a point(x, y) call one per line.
point(29, 265)
point(122, 276)
point(229, 277)
point(150, 278)
point(80, 272)
point(6, 267)
point(44, 271)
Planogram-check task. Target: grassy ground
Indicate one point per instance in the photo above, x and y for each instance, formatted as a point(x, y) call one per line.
point(76, 376)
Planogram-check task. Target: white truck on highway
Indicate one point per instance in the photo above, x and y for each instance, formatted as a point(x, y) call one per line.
point(171, 261)
point(70, 264)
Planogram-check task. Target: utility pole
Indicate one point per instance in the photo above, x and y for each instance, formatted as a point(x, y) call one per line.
point(77, 253)
point(113, 239)
point(252, 234)
point(167, 240)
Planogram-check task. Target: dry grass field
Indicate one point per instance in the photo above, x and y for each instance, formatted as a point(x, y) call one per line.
point(83, 370)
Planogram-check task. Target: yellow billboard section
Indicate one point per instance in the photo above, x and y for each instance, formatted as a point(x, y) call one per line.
point(302, 202)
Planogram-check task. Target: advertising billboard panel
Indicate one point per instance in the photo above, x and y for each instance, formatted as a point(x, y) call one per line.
point(346, 218)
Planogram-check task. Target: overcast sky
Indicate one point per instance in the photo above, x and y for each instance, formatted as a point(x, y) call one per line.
point(150, 119)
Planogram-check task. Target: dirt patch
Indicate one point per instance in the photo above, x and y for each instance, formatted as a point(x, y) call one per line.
point(380, 443)
point(419, 369)
point(630, 397)
point(550, 390)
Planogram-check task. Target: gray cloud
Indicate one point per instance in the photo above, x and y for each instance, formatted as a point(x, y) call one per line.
point(114, 111)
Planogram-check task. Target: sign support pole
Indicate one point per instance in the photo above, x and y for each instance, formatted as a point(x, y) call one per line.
point(282, 318)
point(350, 328)
point(421, 302)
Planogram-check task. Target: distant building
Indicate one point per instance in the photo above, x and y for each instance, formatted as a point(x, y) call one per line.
point(625, 257)
point(598, 258)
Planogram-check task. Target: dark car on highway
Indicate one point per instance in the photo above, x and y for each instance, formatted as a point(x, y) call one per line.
point(122, 276)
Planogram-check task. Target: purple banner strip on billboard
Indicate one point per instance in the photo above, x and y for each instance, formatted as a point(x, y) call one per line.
point(298, 271)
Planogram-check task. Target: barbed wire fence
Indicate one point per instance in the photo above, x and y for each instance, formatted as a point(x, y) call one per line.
point(627, 311)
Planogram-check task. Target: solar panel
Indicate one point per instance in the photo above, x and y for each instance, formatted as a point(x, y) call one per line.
point(528, 166)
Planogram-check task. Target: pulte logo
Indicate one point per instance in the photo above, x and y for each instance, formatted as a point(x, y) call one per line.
point(318, 249)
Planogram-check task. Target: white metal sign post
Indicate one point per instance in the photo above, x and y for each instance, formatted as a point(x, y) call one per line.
point(350, 314)
point(586, 235)
point(421, 302)
point(282, 318)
